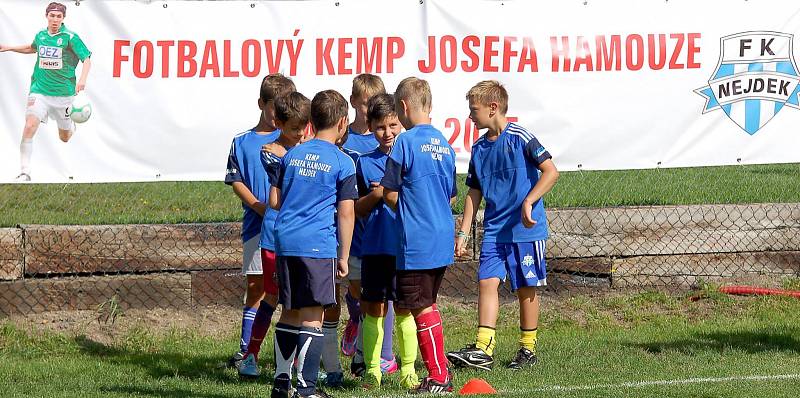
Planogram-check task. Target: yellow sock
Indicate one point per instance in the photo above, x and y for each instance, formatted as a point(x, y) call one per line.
point(527, 339)
point(485, 339)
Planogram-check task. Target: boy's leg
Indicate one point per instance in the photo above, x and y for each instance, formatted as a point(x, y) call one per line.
point(315, 276)
point(254, 293)
point(267, 306)
point(388, 361)
point(330, 350)
point(34, 115)
point(491, 272)
point(352, 298)
point(407, 341)
point(287, 331)
point(417, 291)
point(528, 272)
point(58, 107)
point(376, 284)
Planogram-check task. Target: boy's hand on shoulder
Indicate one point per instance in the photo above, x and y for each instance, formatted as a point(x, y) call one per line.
point(527, 220)
point(342, 268)
point(275, 149)
point(376, 188)
point(260, 208)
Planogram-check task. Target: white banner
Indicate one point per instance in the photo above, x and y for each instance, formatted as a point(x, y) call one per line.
point(602, 84)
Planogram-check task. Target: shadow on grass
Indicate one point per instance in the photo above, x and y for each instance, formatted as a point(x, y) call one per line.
point(161, 392)
point(161, 364)
point(748, 342)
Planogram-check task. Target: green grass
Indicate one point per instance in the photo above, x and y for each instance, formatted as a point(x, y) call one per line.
point(182, 202)
point(584, 342)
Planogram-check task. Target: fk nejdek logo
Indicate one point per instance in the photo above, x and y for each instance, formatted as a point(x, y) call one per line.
point(756, 77)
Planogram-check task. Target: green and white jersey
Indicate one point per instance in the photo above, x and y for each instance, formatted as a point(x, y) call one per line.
point(57, 57)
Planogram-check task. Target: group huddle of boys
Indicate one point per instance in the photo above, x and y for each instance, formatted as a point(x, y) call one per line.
point(367, 203)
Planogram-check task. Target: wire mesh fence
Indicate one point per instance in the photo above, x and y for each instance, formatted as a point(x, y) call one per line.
point(84, 246)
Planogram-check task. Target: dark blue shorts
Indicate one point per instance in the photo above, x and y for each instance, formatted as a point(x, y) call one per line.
point(306, 282)
point(378, 280)
point(523, 263)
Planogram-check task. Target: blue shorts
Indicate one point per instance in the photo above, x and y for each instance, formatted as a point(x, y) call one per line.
point(523, 263)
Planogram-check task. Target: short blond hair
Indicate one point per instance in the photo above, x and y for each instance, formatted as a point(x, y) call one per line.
point(489, 91)
point(415, 92)
point(367, 85)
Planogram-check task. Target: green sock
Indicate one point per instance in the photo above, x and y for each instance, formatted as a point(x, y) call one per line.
point(407, 339)
point(373, 341)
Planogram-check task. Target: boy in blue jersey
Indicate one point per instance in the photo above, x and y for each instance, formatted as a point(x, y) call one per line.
point(419, 185)
point(292, 113)
point(313, 182)
point(379, 250)
point(359, 140)
point(249, 181)
point(505, 169)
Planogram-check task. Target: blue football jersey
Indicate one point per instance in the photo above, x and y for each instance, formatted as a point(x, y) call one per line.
point(244, 165)
point(360, 143)
point(422, 168)
point(358, 229)
point(505, 171)
point(314, 177)
point(381, 234)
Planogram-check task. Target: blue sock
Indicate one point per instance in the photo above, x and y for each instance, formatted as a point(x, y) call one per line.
point(248, 316)
point(309, 352)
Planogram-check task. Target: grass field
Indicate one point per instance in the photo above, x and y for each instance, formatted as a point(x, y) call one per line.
point(180, 202)
point(642, 345)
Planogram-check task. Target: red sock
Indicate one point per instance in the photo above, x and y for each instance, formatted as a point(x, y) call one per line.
point(260, 327)
point(431, 345)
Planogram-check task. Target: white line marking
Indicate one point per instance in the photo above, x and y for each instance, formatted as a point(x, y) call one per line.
point(639, 384)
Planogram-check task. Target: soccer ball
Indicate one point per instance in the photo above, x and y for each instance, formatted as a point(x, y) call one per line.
point(81, 109)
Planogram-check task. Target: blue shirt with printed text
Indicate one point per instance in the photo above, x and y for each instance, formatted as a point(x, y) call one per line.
point(313, 178)
point(422, 168)
point(505, 170)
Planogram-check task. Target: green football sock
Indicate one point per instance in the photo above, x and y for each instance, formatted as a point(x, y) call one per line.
point(373, 341)
point(407, 340)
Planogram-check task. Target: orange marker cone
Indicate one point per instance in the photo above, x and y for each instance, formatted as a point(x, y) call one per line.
point(477, 386)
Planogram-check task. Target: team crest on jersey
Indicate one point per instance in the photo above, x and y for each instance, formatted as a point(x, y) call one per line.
point(527, 260)
point(60, 41)
point(756, 77)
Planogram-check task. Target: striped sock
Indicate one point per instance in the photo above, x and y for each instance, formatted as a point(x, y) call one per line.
point(248, 316)
point(309, 353)
point(431, 345)
point(285, 351)
point(260, 327)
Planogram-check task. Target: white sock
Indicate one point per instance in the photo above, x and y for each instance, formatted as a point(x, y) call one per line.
point(330, 348)
point(25, 152)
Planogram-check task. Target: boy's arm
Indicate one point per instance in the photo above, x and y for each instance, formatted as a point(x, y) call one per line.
point(346, 195)
point(233, 177)
point(87, 66)
point(370, 194)
point(546, 182)
point(22, 49)
point(274, 198)
point(248, 198)
point(392, 180)
point(471, 204)
point(345, 213)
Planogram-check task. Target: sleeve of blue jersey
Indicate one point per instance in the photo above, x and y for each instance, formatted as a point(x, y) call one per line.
point(393, 176)
point(363, 188)
point(472, 179)
point(233, 172)
point(535, 152)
